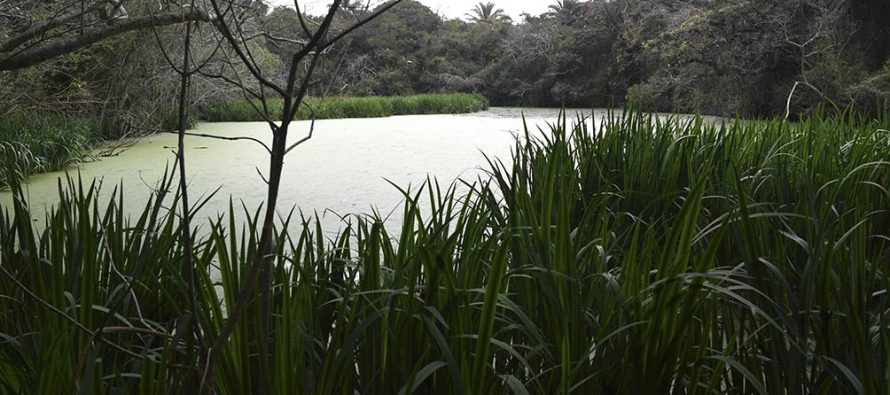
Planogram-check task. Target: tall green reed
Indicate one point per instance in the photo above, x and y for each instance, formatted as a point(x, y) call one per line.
point(355, 107)
point(45, 142)
point(649, 255)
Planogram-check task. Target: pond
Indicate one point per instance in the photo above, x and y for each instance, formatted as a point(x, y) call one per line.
point(346, 168)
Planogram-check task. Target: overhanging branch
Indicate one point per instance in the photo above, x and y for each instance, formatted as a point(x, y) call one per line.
point(37, 31)
point(49, 50)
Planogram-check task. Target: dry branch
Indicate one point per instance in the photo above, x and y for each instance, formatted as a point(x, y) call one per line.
point(43, 51)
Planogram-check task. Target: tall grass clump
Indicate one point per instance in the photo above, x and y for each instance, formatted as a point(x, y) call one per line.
point(648, 256)
point(45, 142)
point(170, 120)
point(355, 107)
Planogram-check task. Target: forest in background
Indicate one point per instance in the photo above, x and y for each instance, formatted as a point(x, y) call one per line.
point(752, 58)
point(702, 56)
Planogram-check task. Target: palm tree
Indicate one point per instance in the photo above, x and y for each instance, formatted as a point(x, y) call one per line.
point(563, 6)
point(487, 13)
point(565, 11)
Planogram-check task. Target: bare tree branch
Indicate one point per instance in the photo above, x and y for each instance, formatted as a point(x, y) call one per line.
point(40, 53)
point(293, 95)
point(240, 138)
point(56, 21)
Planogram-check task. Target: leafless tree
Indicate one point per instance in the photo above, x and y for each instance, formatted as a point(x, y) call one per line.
point(37, 31)
point(233, 25)
point(811, 29)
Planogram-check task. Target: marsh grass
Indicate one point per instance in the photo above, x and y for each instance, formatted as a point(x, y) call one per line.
point(44, 142)
point(356, 107)
point(648, 256)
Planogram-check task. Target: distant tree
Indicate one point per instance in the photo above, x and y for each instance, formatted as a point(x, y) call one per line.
point(390, 57)
point(814, 34)
point(564, 6)
point(488, 13)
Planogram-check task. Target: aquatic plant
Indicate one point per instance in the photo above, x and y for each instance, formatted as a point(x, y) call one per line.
point(355, 107)
point(650, 255)
point(36, 142)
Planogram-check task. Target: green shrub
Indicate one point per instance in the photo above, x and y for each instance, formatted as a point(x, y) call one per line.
point(873, 93)
point(643, 96)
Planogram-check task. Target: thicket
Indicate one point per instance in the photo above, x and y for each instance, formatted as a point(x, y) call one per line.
point(647, 256)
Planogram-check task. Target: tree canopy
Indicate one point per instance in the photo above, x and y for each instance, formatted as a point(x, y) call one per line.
point(487, 12)
point(746, 57)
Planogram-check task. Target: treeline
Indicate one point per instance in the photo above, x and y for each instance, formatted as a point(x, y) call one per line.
point(754, 58)
point(716, 57)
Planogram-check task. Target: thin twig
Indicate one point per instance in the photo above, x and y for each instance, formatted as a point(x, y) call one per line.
point(238, 138)
point(309, 136)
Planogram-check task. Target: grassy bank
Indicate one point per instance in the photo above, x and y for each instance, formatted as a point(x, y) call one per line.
point(647, 257)
point(33, 143)
point(356, 107)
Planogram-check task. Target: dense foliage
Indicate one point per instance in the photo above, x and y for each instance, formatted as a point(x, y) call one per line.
point(716, 57)
point(649, 256)
point(719, 57)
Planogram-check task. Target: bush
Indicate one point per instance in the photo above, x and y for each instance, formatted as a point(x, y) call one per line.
point(643, 96)
point(873, 93)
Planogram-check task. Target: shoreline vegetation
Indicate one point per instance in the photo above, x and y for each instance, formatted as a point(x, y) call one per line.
point(47, 142)
point(355, 107)
point(647, 256)
point(38, 143)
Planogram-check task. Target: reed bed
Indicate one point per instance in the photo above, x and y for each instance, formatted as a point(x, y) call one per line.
point(649, 256)
point(355, 107)
point(44, 142)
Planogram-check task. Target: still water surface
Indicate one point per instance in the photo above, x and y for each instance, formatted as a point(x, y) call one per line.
point(343, 169)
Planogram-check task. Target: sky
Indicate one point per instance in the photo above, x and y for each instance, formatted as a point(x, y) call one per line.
point(448, 8)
